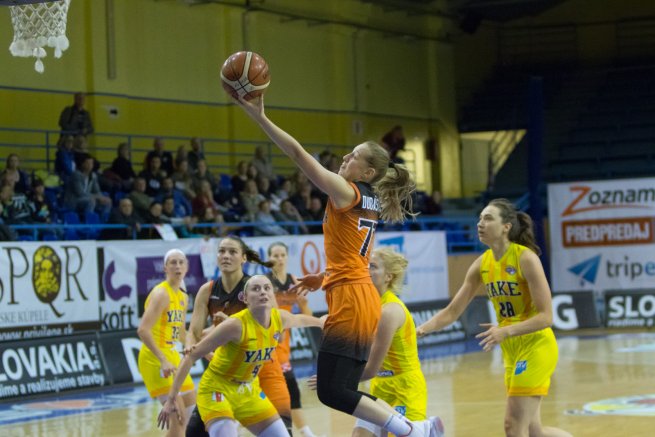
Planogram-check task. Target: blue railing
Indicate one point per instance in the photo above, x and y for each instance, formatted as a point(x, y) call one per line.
point(461, 232)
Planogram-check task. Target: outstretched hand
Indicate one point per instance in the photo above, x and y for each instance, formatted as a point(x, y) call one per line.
point(492, 336)
point(169, 408)
point(253, 107)
point(306, 284)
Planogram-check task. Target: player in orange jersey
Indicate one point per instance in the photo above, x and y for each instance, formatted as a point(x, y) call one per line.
point(368, 186)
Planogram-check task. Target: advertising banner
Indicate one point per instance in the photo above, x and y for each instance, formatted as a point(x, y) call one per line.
point(630, 308)
point(50, 366)
point(48, 289)
point(602, 234)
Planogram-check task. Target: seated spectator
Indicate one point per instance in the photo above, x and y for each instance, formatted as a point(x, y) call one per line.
point(165, 157)
point(153, 174)
point(334, 164)
point(140, 200)
point(168, 190)
point(6, 233)
point(16, 207)
point(239, 179)
point(316, 213)
point(13, 175)
point(250, 198)
point(174, 215)
point(203, 174)
point(252, 172)
point(211, 216)
point(65, 158)
point(289, 213)
point(41, 206)
point(195, 154)
point(182, 154)
point(284, 190)
point(262, 163)
point(123, 215)
point(302, 199)
point(122, 166)
point(394, 142)
point(433, 204)
point(230, 204)
point(267, 225)
point(75, 119)
point(183, 180)
point(82, 191)
point(205, 199)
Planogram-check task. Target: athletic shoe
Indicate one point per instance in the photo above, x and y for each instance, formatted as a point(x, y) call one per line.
point(437, 428)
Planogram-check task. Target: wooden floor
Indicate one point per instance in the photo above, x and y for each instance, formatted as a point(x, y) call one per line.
point(604, 386)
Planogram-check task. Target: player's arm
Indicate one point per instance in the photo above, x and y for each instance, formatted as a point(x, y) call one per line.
point(302, 301)
point(199, 317)
point(307, 283)
point(335, 186)
point(299, 320)
point(391, 320)
point(159, 301)
point(456, 307)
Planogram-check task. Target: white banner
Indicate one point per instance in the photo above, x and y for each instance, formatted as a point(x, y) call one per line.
point(602, 234)
point(47, 289)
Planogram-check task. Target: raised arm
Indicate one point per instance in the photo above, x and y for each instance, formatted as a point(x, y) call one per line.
point(299, 320)
point(456, 307)
point(158, 303)
point(199, 317)
point(336, 187)
point(391, 320)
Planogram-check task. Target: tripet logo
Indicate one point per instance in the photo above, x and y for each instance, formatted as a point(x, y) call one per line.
point(587, 270)
point(593, 200)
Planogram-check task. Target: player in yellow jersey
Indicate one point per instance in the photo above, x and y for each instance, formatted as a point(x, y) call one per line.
point(229, 389)
point(161, 327)
point(511, 272)
point(368, 187)
point(393, 363)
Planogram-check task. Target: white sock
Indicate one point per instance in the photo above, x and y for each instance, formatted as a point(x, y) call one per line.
point(306, 431)
point(397, 425)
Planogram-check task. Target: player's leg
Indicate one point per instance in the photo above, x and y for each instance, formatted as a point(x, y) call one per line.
point(297, 415)
point(519, 412)
point(537, 430)
point(223, 428)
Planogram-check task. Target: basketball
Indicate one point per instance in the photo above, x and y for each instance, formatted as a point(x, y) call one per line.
point(245, 74)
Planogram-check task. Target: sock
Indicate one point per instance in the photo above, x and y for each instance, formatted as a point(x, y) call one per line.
point(397, 425)
point(306, 431)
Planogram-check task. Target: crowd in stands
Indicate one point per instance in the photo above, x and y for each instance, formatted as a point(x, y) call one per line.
point(179, 190)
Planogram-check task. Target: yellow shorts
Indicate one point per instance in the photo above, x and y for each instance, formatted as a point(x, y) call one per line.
point(407, 393)
point(530, 360)
point(219, 398)
point(150, 369)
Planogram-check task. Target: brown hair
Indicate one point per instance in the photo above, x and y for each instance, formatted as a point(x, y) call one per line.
point(251, 255)
point(522, 230)
point(392, 183)
point(395, 264)
point(276, 244)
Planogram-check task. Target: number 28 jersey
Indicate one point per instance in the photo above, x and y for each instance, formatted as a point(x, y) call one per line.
point(506, 287)
point(349, 235)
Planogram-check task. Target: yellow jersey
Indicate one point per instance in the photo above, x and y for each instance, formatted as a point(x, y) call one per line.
point(241, 362)
point(166, 331)
point(506, 287)
point(402, 356)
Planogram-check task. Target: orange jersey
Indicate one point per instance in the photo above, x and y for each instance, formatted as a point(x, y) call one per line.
point(285, 301)
point(349, 235)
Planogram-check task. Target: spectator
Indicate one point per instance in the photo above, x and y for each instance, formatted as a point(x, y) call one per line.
point(76, 120)
point(6, 233)
point(302, 199)
point(82, 192)
point(239, 179)
point(334, 164)
point(153, 174)
point(182, 154)
point(252, 172)
point(183, 180)
point(123, 215)
point(16, 207)
point(289, 213)
point(13, 175)
point(166, 158)
point(433, 204)
point(202, 174)
point(174, 214)
point(139, 198)
point(316, 213)
point(195, 154)
point(41, 207)
point(250, 198)
point(154, 217)
point(230, 204)
point(267, 225)
point(122, 166)
point(65, 158)
point(262, 163)
point(394, 142)
point(284, 190)
point(168, 190)
point(205, 199)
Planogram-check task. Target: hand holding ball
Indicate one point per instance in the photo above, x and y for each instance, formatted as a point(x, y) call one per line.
point(245, 75)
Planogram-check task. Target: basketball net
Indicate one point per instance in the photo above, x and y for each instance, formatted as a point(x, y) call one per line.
point(37, 26)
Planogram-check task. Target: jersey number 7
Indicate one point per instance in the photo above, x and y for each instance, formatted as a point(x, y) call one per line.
point(369, 225)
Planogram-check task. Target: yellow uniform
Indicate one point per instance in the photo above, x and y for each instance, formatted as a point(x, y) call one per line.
point(400, 381)
point(529, 359)
point(229, 388)
point(165, 332)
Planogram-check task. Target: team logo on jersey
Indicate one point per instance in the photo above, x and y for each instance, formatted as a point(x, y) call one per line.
point(277, 336)
point(262, 395)
point(219, 397)
point(511, 270)
point(521, 367)
point(401, 409)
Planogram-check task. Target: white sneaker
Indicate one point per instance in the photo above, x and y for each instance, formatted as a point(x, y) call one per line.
point(437, 428)
point(421, 429)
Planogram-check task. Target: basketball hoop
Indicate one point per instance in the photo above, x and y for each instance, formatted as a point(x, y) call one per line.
point(38, 24)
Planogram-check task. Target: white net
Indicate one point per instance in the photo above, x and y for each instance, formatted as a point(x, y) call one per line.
point(37, 26)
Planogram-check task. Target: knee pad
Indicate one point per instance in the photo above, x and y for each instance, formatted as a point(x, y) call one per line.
point(223, 428)
point(275, 429)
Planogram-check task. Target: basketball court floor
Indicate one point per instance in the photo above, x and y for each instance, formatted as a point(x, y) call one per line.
point(604, 386)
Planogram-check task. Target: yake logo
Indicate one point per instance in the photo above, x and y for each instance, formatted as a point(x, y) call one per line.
point(587, 270)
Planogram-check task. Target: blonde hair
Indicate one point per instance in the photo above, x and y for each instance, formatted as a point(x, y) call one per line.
point(394, 264)
point(393, 184)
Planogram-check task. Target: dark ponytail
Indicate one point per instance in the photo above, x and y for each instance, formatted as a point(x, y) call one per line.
point(252, 256)
point(522, 230)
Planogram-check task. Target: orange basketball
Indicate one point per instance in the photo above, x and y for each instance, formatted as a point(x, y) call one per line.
point(245, 74)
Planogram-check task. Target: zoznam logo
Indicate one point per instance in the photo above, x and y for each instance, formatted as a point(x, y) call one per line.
point(592, 200)
point(586, 270)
